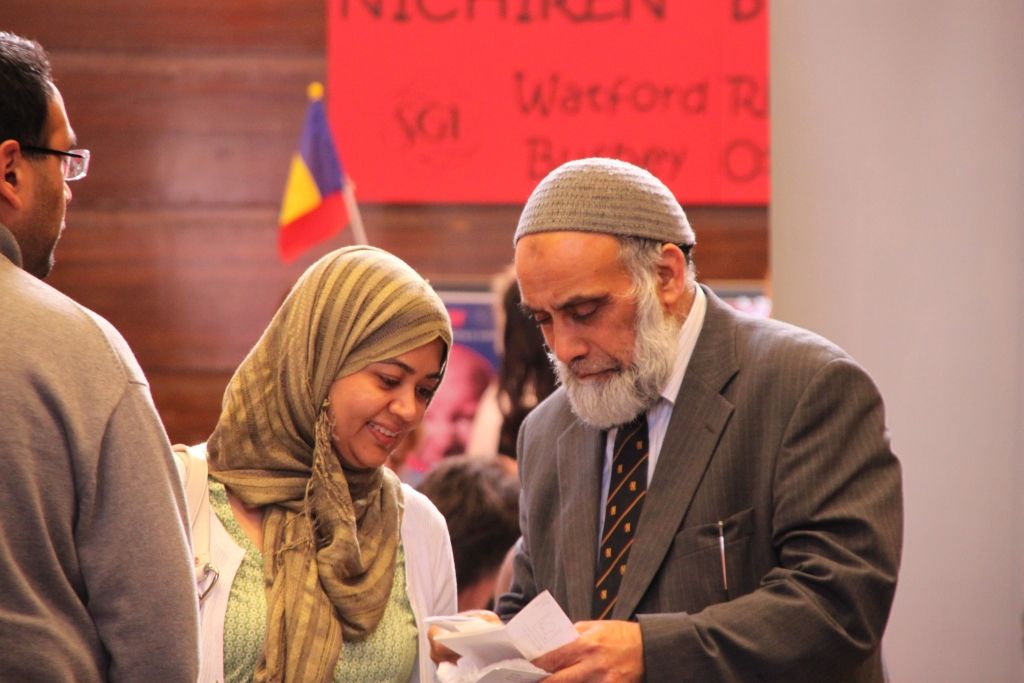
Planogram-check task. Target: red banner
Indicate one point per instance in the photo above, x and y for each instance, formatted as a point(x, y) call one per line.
point(454, 101)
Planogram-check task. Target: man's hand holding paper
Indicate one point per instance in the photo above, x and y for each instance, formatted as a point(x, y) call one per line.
point(494, 652)
point(605, 651)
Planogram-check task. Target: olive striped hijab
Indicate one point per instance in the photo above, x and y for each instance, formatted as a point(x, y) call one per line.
point(330, 534)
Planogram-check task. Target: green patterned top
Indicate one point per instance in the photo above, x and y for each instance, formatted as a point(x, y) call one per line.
point(388, 654)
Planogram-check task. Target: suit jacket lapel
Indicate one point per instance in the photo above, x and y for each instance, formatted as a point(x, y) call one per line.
point(579, 485)
point(698, 419)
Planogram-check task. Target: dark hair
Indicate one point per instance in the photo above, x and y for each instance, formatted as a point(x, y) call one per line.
point(25, 89)
point(479, 498)
point(526, 376)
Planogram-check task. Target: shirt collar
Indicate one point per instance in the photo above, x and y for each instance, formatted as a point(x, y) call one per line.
point(685, 344)
point(9, 246)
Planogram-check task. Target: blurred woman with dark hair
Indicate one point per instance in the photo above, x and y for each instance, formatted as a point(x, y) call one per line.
point(525, 377)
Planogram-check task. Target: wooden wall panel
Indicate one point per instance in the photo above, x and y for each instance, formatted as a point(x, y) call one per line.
point(189, 402)
point(185, 131)
point(192, 109)
point(272, 26)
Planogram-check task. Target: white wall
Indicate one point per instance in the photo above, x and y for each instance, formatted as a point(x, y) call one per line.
point(897, 223)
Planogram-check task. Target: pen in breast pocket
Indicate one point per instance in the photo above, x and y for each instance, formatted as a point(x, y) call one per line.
point(721, 551)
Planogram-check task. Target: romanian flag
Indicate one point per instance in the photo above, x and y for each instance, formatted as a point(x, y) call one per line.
point(313, 208)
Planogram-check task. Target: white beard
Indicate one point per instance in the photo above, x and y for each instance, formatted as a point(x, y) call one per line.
point(629, 391)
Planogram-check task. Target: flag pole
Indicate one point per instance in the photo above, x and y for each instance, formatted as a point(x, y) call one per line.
point(354, 217)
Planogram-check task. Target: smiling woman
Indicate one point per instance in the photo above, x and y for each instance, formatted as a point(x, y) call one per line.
point(299, 494)
point(372, 410)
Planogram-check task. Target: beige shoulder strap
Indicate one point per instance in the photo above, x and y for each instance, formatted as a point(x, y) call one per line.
point(192, 469)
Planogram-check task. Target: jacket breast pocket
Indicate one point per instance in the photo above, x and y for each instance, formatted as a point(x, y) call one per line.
point(708, 563)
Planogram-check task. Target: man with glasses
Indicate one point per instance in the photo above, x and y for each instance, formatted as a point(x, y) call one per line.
point(95, 576)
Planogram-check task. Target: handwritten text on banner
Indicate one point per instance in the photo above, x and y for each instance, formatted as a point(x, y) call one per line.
point(476, 100)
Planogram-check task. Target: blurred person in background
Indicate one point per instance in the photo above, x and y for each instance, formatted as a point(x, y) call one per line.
point(525, 376)
point(448, 423)
point(479, 498)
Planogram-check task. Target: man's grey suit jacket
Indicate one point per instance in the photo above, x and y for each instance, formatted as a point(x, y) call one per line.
point(780, 435)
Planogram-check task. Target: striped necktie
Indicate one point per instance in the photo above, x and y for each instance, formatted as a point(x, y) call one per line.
point(626, 490)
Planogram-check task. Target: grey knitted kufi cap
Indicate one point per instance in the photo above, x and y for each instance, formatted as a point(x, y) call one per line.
point(608, 196)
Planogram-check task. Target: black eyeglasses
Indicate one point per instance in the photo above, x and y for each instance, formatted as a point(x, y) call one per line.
point(73, 163)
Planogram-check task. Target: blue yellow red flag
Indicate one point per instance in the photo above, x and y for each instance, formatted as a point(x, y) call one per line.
point(313, 207)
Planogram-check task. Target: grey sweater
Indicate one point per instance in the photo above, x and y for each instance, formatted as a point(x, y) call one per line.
point(95, 573)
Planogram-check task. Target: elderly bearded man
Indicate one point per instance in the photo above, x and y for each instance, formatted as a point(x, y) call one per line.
point(756, 534)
